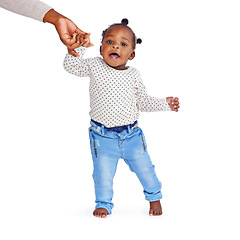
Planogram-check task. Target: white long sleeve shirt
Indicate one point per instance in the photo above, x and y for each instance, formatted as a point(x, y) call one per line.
point(116, 96)
point(30, 8)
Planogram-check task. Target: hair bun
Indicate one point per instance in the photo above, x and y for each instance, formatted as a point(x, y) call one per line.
point(139, 41)
point(125, 21)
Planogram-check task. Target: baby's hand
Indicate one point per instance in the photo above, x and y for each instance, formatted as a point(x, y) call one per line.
point(173, 103)
point(84, 40)
point(80, 40)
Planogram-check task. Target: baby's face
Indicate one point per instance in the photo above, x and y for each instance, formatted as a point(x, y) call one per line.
point(117, 47)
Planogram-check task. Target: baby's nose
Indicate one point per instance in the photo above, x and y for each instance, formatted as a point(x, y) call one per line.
point(115, 46)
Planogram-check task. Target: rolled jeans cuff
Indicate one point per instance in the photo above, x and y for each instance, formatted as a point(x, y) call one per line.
point(153, 198)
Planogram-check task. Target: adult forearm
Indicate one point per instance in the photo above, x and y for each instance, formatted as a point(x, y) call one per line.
point(52, 16)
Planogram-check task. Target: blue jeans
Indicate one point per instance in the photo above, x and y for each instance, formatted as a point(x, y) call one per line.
point(107, 147)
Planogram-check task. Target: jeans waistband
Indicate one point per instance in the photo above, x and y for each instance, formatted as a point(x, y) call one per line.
point(115, 129)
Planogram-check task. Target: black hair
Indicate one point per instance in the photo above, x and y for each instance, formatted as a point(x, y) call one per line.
point(124, 22)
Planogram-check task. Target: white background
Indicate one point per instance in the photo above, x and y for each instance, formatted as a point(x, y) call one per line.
point(191, 50)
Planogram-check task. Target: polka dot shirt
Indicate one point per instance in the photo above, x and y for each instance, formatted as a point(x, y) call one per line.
point(116, 96)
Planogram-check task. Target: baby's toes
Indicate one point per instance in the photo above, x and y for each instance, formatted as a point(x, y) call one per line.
point(151, 212)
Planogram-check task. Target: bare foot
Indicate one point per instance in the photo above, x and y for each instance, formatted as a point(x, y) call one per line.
point(155, 208)
point(100, 212)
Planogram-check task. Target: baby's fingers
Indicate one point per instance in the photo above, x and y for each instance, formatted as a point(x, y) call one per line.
point(87, 42)
point(176, 107)
point(175, 104)
point(175, 100)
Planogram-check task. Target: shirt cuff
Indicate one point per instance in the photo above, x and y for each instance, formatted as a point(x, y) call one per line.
point(80, 50)
point(41, 10)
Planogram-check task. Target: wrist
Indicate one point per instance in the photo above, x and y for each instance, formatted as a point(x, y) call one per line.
point(52, 16)
point(169, 102)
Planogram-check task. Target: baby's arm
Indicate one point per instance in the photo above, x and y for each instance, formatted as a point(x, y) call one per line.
point(77, 65)
point(147, 103)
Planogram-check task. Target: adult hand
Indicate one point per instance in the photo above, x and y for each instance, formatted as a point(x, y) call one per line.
point(66, 28)
point(67, 31)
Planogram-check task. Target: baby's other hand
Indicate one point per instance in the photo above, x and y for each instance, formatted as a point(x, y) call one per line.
point(80, 40)
point(173, 103)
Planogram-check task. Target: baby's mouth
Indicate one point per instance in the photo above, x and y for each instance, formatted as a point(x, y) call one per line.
point(114, 55)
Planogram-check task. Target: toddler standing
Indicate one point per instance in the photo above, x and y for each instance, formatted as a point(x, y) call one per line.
point(117, 94)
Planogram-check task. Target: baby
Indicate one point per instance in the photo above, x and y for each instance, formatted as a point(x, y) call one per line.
point(117, 94)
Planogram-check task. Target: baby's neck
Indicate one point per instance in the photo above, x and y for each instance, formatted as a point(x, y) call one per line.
point(120, 68)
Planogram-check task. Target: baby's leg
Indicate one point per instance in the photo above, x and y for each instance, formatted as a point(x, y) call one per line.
point(138, 159)
point(105, 161)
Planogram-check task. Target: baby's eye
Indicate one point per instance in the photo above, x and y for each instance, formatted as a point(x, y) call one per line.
point(124, 44)
point(110, 41)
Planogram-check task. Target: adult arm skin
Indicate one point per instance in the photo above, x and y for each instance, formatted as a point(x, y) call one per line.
point(67, 29)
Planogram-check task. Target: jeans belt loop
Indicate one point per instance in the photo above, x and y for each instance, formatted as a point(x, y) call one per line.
point(98, 129)
point(103, 130)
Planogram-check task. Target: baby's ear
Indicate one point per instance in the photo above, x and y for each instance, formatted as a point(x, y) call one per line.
point(132, 56)
point(100, 49)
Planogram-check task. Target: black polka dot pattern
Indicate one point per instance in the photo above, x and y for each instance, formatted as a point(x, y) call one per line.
point(116, 96)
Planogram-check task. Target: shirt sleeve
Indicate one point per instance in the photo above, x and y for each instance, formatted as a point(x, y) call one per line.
point(30, 8)
point(77, 65)
point(147, 103)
